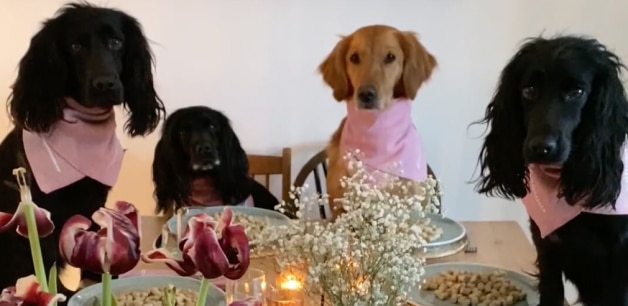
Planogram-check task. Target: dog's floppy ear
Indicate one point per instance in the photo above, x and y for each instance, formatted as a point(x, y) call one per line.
point(169, 175)
point(503, 170)
point(233, 177)
point(417, 66)
point(334, 70)
point(594, 174)
point(140, 98)
point(37, 99)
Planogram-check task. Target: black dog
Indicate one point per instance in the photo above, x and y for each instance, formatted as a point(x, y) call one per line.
point(561, 107)
point(91, 58)
point(198, 144)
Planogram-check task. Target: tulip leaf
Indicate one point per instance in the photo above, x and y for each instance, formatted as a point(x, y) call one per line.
point(52, 279)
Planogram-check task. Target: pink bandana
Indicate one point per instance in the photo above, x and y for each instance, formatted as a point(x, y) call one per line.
point(550, 213)
point(203, 194)
point(82, 144)
point(387, 140)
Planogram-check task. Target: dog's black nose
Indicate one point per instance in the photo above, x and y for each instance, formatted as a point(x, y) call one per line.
point(105, 83)
point(542, 148)
point(203, 148)
point(367, 95)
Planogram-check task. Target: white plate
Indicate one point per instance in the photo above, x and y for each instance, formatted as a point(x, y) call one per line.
point(453, 239)
point(427, 298)
point(274, 216)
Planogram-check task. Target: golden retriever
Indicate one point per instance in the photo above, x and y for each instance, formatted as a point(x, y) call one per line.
point(377, 71)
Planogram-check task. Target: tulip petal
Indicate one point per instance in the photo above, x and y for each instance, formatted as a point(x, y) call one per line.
point(8, 298)
point(115, 248)
point(225, 220)
point(82, 248)
point(235, 245)
point(28, 292)
point(131, 213)
point(182, 267)
point(122, 243)
point(205, 250)
point(247, 302)
point(17, 220)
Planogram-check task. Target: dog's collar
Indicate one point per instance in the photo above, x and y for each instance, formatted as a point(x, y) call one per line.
point(204, 193)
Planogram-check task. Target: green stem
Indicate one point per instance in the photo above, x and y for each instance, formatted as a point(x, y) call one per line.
point(33, 239)
point(52, 281)
point(106, 289)
point(202, 292)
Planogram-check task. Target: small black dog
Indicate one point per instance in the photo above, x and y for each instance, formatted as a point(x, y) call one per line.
point(199, 161)
point(82, 63)
point(559, 119)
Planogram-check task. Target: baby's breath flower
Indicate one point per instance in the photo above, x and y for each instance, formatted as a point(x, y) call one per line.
point(370, 255)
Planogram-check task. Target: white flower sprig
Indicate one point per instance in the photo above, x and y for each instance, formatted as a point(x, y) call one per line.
point(370, 255)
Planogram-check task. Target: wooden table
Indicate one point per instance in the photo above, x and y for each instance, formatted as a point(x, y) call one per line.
point(499, 243)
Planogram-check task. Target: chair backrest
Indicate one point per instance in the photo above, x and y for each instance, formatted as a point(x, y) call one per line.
point(317, 166)
point(268, 165)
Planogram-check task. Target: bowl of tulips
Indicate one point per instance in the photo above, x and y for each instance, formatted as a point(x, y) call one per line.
point(209, 246)
point(212, 246)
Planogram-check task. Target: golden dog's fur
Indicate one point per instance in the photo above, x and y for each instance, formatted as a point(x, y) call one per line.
point(392, 61)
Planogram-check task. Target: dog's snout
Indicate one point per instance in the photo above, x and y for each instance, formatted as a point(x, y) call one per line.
point(367, 96)
point(203, 148)
point(105, 83)
point(542, 148)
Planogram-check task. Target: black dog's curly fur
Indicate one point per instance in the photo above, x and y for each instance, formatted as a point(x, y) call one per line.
point(62, 60)
point(566, 89)
point(184, 131)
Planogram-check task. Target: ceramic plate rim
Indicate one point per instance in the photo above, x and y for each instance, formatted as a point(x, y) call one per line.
point(432, 216)
point(81, 296)
point(235, 209)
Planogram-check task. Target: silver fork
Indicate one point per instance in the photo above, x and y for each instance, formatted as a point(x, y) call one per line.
point(470, 248)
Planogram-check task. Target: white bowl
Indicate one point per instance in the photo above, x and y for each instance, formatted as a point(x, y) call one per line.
point(86, 296)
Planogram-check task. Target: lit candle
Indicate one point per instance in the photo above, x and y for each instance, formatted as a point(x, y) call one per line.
point(290, 283)
point(289, 292)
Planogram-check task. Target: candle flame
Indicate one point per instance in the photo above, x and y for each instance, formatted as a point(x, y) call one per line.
point(291, 283)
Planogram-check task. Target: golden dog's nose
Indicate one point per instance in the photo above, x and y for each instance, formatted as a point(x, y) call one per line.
point(367, 96)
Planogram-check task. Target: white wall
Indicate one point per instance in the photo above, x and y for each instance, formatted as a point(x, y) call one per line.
point(256, 60)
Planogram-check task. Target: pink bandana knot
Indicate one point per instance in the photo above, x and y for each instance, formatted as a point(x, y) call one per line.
point(387, 140)
point(82, 144)
point(550, 212)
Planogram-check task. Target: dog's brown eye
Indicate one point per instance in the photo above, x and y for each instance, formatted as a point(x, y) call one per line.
point(574, 94)
point(211, 126)
point(355, 58)
point(76, 47)
point(114, 44)
point(529, 93)
point(389, 58)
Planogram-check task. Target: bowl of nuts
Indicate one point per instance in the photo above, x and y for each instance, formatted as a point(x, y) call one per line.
point(464, 284)
point(150, 290)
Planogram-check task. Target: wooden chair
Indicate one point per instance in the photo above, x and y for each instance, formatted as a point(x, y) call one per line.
point(268, 165)
point(317, 166)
